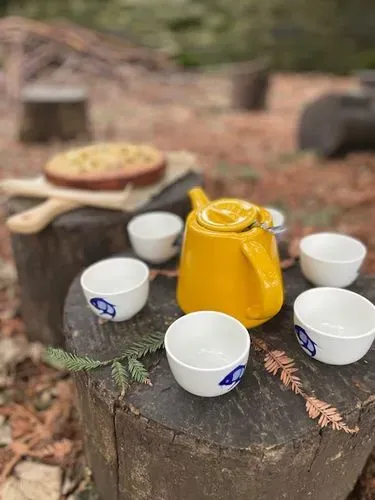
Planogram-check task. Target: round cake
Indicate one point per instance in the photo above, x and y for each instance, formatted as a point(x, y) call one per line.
point(107, 166)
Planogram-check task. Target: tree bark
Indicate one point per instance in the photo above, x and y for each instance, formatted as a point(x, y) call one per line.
point(256, 442)
point(48, 261)
point(251, 83)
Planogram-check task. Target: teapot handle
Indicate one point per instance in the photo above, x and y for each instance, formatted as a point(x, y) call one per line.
point(269, 281)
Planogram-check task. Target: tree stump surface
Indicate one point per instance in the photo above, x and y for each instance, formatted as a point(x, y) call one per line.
point(47, 262)
point(49, 112)
point(256, 442)
point(334, 125)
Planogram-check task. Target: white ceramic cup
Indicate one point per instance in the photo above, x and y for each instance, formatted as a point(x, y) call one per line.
point(277, 216)
point(333, 325)
point(116, 288)
point(331, 259)
point(207, 352)
point(278, 219)
point(153, 235)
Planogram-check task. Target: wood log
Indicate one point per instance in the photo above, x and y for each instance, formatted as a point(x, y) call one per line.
point(48, 261)
point(53, 113)
point(367, 80)
point(256, 442)
point(251, 82)
point(85, 41)
point(336, 124)
point(42, 56)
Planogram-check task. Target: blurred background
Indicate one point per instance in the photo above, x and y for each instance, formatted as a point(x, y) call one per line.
point(335, 36)
point(231, 82)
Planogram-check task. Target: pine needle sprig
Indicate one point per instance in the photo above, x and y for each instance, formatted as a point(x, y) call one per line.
point(138, 372)
point(278, 361)
point(328, 415)
point(145, 346)
point(120, 376)
point(123, 368)
point(72, 362)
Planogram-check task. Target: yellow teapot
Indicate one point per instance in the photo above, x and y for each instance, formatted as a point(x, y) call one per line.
point(229, 262)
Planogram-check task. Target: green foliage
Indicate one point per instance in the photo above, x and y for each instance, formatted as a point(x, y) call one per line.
point(187, 60)
point(288, 158)
point(137, 371)
point(366, 59)
point(335, 35)
point(120, 376)
point(147, 345)
point(123, 368)
point(70, 361)
point(321, 218)
point(245, 172)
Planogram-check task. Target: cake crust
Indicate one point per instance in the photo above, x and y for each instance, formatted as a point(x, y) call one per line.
point(107, 166)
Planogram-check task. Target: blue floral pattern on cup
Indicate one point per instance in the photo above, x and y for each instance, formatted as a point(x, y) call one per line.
point(305, 341)
point(234, 377)
point(104, 307)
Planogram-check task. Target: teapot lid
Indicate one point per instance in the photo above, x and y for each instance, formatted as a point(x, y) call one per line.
point(228, 214)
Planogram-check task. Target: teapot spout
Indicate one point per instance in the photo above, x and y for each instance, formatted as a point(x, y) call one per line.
point(198, 198)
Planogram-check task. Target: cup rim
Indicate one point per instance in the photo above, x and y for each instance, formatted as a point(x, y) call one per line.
point(207, 370)
point(136, 218)
point(271, 209)
point(337, 290)
point(125, 290)
point(361, 245)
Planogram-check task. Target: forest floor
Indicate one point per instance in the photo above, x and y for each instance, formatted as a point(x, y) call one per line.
point(250, 155)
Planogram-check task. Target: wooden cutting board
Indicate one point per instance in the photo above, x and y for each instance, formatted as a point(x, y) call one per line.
point(61, 200)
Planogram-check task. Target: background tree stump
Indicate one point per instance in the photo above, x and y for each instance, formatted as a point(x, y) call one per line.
point(53, 113)
point(256, 442)
point(336, 124)
point(367, 80)
point(48, 261)
point(251, 83)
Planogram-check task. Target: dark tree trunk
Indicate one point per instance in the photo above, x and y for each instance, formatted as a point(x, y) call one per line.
point(256, 442)
point(48, 261)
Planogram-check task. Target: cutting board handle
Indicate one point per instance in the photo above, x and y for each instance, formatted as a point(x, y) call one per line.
point(37, 218)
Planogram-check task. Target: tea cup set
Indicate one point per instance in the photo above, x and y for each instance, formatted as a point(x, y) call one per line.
point(229, 281)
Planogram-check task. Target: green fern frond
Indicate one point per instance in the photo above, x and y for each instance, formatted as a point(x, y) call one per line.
point(71, 361)
point(144, 346)
point(120, 376)
point(138, 372)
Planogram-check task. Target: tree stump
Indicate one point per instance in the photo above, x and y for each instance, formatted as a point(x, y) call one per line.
point(367, 80)
point(251, 83)
point(53, 113)
point(47, 262)
point(336, 124)
point(256, 442)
